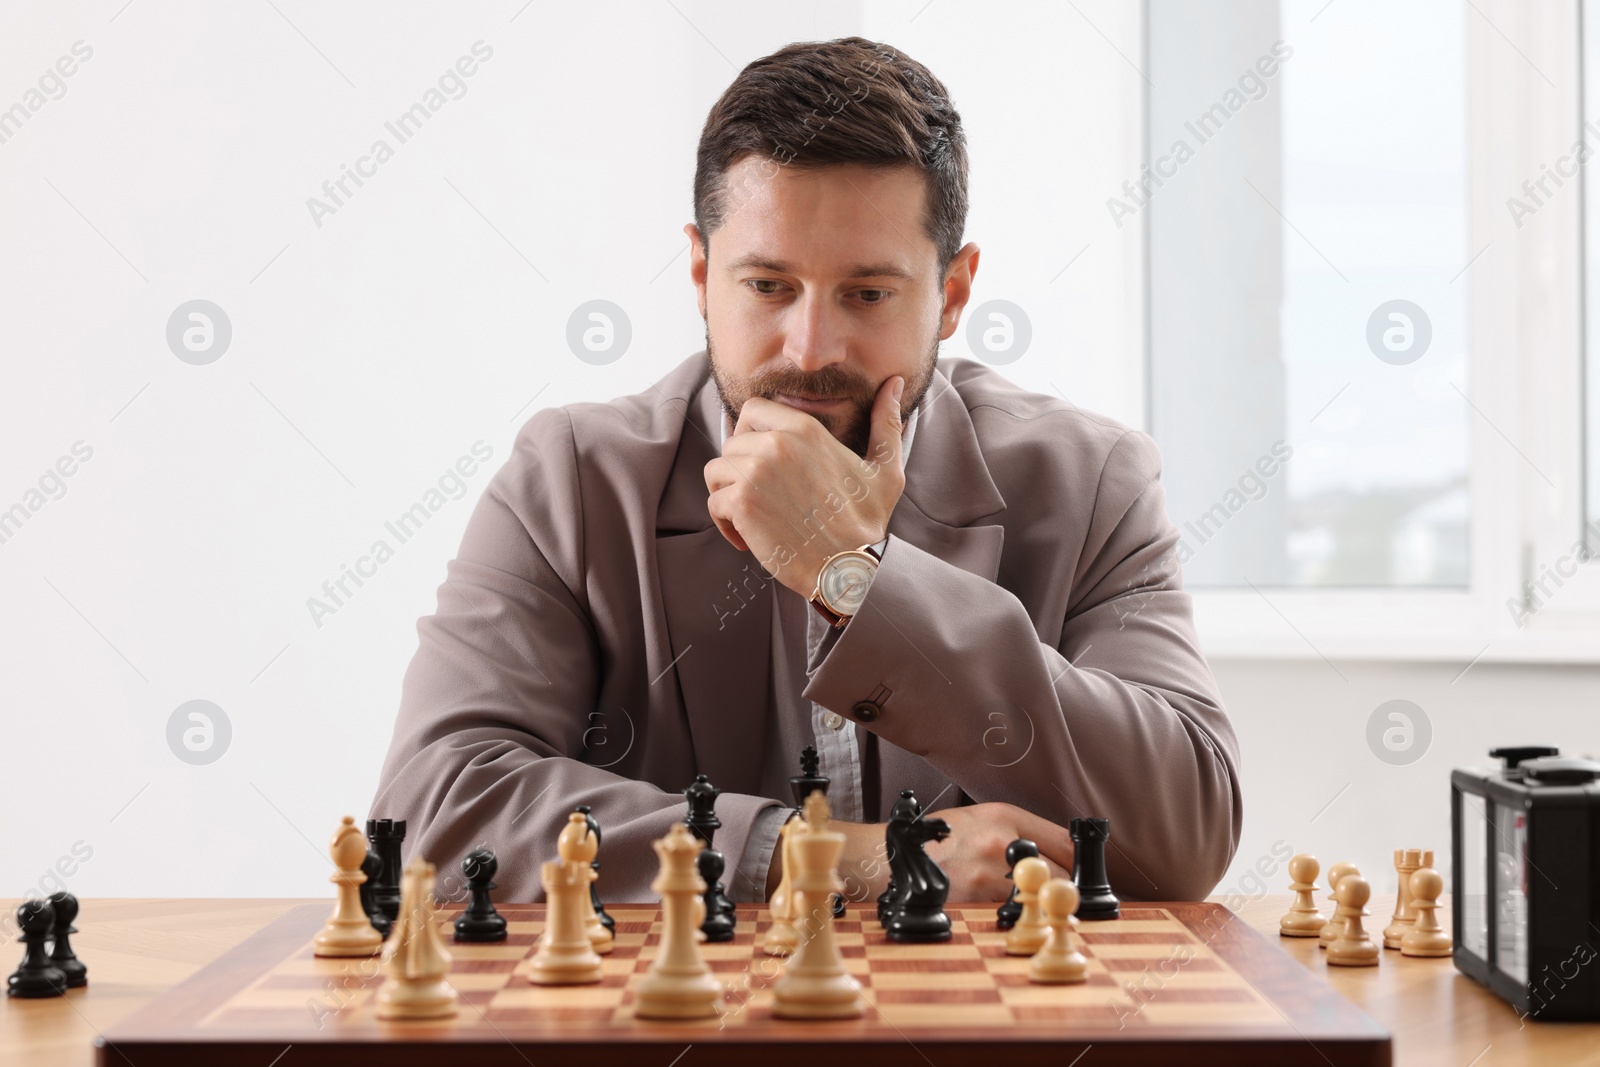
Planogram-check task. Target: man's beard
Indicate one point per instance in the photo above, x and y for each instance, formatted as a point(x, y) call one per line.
point(852, 427)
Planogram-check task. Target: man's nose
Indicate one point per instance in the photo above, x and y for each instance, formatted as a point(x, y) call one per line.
point(815, 333)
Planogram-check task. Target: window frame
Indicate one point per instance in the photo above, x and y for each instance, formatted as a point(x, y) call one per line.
point(1526, 298)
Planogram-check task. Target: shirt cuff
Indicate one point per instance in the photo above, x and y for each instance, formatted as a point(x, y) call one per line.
point(757, 858)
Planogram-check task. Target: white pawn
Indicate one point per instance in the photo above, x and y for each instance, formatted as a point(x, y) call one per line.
point(416, 965)
point(1352, 947)
point(600, 937)
point(678, 985)
point(1303, 919)
point(566, 956)
point(348, 931)
point(1426, 937)
point(1336, 874)
point(781, 937)
point(1030, 933)
point(1058, 961)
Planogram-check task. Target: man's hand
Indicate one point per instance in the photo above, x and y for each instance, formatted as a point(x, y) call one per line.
point(787, 490)
point(973, 857)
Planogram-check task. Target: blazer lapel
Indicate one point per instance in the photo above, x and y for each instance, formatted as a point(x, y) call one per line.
point(948, 487)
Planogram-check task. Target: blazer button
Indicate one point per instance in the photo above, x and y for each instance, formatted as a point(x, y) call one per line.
point(866, 710)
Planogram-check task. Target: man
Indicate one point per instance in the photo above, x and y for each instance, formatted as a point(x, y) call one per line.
point(996, 621)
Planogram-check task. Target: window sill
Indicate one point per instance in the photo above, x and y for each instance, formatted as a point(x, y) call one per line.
point(1453, 627)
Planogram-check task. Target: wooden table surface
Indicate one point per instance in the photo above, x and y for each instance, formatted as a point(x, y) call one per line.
point(137, 949)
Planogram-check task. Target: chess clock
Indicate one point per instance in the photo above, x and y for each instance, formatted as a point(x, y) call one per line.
point(1525, 849)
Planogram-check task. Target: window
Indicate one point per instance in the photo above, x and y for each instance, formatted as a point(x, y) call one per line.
point(1308, 245)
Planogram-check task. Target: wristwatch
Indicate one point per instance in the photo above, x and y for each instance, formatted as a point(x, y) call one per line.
point(842, 583)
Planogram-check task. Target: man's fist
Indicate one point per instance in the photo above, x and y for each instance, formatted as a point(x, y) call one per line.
point(787, 490)
point(973, 857)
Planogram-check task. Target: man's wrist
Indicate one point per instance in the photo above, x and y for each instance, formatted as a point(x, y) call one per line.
point(864, 863)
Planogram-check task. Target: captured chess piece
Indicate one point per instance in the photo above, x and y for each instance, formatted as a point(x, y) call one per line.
point(480, 923)
point(348, 931)
point(815, 984)
point(1426, 937)
point(1006, 914)
point(61, 954)
point(916, 913)
point(1406, 862)
point(1029, 933)
point(386, 836)
point(679, 984)
point(781, 937)
point(37, 976)
point(1304, 918)
point(372, 867)
point(805, 783)
point(703, 823)
point(1096, 901)
point(1352, 947)
point(416, 965)
point(566, 955)
point(1336, 874)
point(1058, 961)
point(594, 888)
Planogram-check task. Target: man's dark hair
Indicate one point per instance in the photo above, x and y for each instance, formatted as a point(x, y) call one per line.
point(817, 103)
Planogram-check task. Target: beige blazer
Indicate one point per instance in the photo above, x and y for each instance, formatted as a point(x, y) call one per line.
point(1026, 638)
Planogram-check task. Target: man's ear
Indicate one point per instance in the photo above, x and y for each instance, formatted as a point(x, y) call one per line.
point(958, 289)
point(697, 263)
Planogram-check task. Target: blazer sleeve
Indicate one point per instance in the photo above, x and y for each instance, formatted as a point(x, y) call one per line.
point(497, 706)
point(1122, 719)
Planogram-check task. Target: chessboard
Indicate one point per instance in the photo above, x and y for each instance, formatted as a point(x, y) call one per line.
point(1187, 983)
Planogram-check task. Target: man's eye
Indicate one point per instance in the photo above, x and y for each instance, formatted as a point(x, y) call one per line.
point(866, 296)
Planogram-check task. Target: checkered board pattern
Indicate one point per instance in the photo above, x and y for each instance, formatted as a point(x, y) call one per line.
point(1160, 988)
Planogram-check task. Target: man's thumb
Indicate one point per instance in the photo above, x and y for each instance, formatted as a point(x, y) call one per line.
point(884, 441)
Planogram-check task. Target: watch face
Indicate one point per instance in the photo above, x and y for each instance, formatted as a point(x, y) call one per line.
point(845, 580)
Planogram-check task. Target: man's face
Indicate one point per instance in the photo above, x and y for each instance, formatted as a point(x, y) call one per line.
point(822, 284)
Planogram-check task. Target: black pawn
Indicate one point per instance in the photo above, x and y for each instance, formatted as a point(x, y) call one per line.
point(1095, 899)
point(372, 867)
point(37, 976)
point(1007, 914)
point(594, 885)
point(719, 924)
point(886, 901)
point(480, 922)
point(65, 906)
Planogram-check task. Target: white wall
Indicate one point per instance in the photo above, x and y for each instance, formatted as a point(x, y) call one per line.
point(370, 352)
point(1312, 782)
